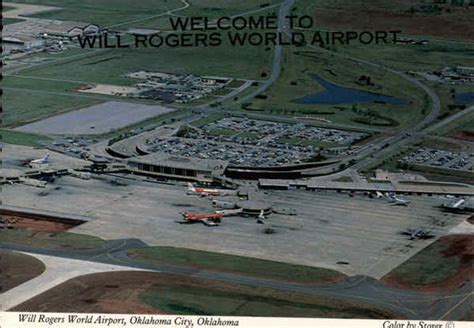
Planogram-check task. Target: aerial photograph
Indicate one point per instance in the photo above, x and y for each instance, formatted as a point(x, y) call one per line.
point(217, 159)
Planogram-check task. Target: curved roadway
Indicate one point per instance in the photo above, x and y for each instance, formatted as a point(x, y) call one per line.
point(406, 303)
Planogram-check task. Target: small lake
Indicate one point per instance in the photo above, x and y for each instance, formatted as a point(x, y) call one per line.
point(464, 98)
point(336, 95)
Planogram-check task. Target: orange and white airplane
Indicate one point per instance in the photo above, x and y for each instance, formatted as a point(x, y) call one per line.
point(203, 192)
point(209, 219)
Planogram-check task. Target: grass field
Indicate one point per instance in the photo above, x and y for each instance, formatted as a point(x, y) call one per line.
point(412, 17)
point(218, 8)
point(237, 300)
point(18, 268)
point(212, 9)
point(436, 143)
point(442, 263)
point(135, 292)
point(21, 138)
point(235, 264)
point(434, 56)
point(143, 14)
point(208, 119)
point(457, 126)
point(50, 240)
point(446, 94)
point(22, 106)
point(109, 66)
point(304, 142)
point(52, 83)
point(104, 12)
point(6, 21)
point(295, 82)
point(343, 179)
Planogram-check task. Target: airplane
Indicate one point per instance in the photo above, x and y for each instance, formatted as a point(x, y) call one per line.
point(261, 217)
point(39, 161)
point(417, 233)
point(394, 201)
point(204, 192)
point(461, 206)
point(208, 219)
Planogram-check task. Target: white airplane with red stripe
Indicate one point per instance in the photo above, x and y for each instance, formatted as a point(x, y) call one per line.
point(209, 191)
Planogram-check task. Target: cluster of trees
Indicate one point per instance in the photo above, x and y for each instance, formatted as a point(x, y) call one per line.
point(371, 117)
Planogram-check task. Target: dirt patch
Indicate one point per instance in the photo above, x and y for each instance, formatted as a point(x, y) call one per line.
point(464, 135)
point(470, 219)
point(35, 222)
point(469, 316)
point(107, 89)
point(131, 305)
point(35, 225)
point(127, 292)
point(452, 22)
point(17, 268)
point(96, 293)
point(460, 247)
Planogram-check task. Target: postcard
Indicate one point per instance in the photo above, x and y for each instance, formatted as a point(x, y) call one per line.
point(223, 163)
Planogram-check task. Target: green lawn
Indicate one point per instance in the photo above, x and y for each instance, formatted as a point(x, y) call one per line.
point(223, 132)
point(219, 8)
point(236, 300)
point(142, 14)
point(22, 106)
point(465, 124)
point(295, 82)
point(6, 21)
point(212, 9)
point(441, 144)
point(249, 135)
point(305, 142)
point(29, 98)
point(50, 240)
point(109, 66)
point(103, 12)
point(208, 119)
point(343, 179)
point(429, 266)
point(236, 264)
point(21, 138)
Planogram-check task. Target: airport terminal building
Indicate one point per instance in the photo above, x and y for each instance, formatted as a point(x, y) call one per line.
point(175, 167)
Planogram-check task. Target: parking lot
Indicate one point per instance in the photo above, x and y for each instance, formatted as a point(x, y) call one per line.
point(253, 142)
point(277, 132)
point(248, 153)
point(440, 158)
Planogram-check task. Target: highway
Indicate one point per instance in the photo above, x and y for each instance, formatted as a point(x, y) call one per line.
point(406, 303)
point(276, 68)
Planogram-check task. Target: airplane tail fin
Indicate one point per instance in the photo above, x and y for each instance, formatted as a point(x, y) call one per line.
point(191, 187)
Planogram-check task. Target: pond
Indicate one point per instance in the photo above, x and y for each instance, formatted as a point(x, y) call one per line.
point(465, 98)
point(336, 95)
